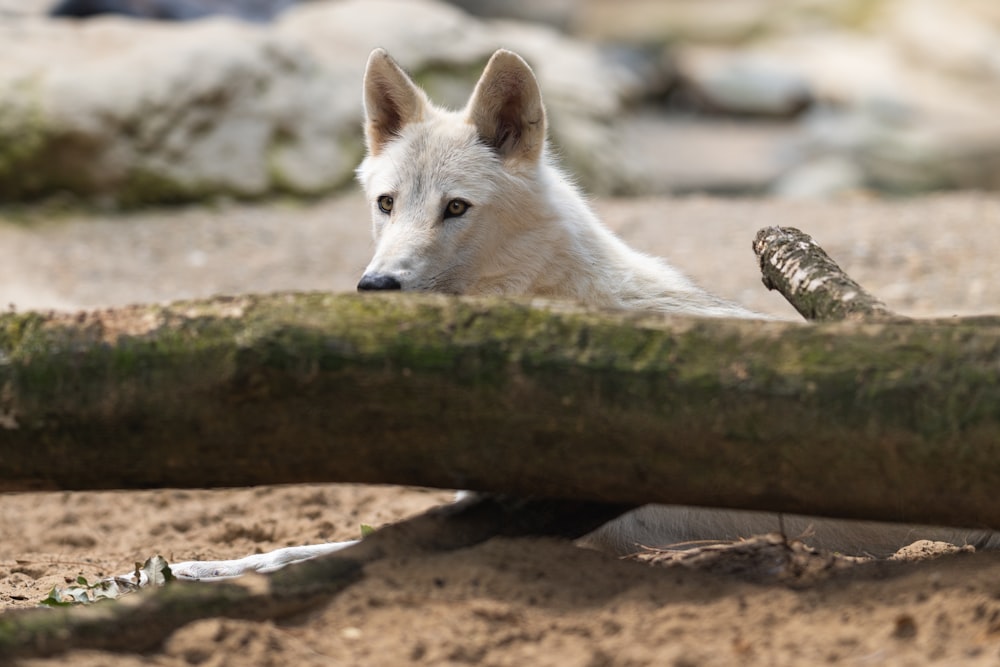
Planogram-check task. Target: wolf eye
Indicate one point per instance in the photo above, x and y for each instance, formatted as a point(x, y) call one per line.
point(456, 208)
point(385, 204)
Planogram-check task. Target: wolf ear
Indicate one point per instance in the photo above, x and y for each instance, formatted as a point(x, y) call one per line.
point(506, 108)
point(392, 100)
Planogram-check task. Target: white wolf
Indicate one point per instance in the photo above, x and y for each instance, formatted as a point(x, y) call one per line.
point(470, 202)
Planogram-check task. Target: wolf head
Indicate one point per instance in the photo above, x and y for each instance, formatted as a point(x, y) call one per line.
point(451, 193)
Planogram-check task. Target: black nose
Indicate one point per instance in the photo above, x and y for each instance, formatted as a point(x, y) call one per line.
point(378, 281)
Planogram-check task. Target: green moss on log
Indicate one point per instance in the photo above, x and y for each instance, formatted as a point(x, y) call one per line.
point(509, 396)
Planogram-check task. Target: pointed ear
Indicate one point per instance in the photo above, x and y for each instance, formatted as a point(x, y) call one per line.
point(392, 100)
point(506, 108)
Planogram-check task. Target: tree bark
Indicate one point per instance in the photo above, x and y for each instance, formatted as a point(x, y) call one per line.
point(795, 265)
point(891, 420)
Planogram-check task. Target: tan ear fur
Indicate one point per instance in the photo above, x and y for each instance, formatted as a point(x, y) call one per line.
point(392, 100)
point(506, 108)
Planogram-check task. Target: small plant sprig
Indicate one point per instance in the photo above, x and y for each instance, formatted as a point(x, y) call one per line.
point(154, 572)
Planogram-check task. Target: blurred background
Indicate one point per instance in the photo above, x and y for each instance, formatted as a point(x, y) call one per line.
point(251, 110)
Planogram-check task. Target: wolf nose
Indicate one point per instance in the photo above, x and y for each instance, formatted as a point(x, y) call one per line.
point(378, 281)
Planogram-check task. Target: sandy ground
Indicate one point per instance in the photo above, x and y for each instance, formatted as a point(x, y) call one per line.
point(507, 602)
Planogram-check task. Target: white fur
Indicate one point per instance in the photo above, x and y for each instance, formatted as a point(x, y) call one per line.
point(529, 231)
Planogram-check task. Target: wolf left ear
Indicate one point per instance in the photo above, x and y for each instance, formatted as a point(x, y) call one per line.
point(392, 100)
point(506, 108)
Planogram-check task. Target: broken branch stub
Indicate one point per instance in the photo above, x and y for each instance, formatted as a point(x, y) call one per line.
point(795, 265)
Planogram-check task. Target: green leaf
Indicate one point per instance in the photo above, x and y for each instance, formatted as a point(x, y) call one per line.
point(54, 599)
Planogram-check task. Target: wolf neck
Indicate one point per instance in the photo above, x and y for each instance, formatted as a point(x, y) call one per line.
point(593, 266)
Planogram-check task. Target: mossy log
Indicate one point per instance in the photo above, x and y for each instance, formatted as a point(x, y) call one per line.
point(889, 420)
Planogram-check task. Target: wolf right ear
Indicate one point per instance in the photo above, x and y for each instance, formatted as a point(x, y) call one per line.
point(392, 100)
point(506, 108)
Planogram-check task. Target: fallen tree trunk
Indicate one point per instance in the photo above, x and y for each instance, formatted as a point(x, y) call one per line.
point(893, 420)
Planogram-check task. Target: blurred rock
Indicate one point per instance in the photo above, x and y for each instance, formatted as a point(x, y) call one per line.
point(678, 155)
point(138, 112)
point(956, 38)
point(18, 8)
point(912, 160)
point(683, 21)
point(820, 178)
point(135, 112)
point(743, 84)
point(905, 91)
point(907, 127)
point(556, 13)
point(173, 10)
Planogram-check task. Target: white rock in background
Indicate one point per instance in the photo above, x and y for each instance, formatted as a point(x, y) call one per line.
point(820, 178)
point(719, 156)
point(146, 111)
point(926, 158)
point(683, 21)
point(744, 83)
point(841, 68)
point(18, 8)
point(952, 37)
point(907, 127)
point(910, 88)
point(907, 123)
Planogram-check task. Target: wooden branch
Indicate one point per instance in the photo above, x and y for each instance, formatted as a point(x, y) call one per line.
point(892, 421)
point(140, 622)
point(795, 265)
